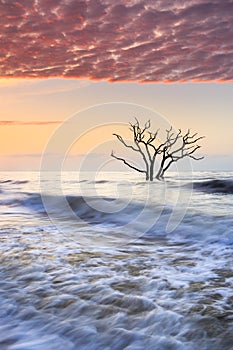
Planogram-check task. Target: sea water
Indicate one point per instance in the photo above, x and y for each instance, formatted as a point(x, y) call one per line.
point(112, 262)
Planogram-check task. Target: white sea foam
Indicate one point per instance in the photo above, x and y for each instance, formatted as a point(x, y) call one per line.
point(69, 290)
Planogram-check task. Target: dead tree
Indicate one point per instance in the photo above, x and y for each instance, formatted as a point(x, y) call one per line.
point(145, 143)
point(176, 147)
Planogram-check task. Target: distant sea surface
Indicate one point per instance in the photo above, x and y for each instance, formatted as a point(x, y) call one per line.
point(112, 262)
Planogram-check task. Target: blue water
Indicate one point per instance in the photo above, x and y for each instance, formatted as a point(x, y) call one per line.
point(111, 262)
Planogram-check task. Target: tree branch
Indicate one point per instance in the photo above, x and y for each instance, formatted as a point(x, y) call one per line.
point(175, 147)
point(120, 138)
point(129, 165)
point(185, 149)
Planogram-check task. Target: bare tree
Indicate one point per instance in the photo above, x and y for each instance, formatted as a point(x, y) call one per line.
point(176, 147)
point(145, 143)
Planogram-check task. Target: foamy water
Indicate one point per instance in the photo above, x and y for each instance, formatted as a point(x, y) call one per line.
point(106, 282)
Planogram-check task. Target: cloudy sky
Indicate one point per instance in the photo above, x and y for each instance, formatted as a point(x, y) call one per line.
point(60, 57)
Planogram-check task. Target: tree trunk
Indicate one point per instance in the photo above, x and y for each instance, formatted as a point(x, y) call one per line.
point(152, 171)
point(160, 173)
point(147, 169)
point(158, 176)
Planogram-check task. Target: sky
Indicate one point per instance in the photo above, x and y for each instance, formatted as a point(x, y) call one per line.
point(58, 58)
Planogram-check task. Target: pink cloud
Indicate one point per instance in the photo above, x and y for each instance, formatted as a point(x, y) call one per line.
point(133, 40)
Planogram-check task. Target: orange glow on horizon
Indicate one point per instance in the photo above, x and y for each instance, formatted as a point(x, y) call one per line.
point(24, 139)
point(30, 139)
point(13, 80)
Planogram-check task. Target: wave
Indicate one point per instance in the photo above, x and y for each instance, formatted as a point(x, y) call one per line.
point(91, 208)
point(222, 186)
point(14, 182)
point(129, 218)
point(5, 181)
point(101, 181)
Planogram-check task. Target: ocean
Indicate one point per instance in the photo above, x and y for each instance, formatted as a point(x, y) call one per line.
point(110, 262)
